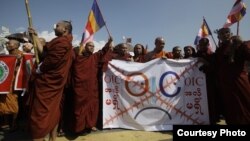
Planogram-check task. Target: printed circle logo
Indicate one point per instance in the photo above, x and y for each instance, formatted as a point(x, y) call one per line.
point(4, 72)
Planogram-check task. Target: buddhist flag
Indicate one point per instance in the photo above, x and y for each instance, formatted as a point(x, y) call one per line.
point(7, 67)
point(94, 23)
point(237, 12)
point(204, 32)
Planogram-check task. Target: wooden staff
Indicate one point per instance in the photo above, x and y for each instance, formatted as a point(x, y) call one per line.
point(30, 25)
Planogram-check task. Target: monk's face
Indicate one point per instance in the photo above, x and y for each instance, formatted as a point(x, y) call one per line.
point(12, 45)
point(90, 47)
point(59, 29)
point(159, 44)
point(177, 52)
point(123, 49)
point(188, 51)
point(27, 47)
point(138, 50)
point(224, 34)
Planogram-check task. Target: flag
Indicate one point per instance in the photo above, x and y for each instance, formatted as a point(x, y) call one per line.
point(7, 67)
point(94, 23)
point(204, 32)
point(236, 14)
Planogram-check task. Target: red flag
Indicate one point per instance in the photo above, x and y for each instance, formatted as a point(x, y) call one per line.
point(7, 68)
point(24, 71)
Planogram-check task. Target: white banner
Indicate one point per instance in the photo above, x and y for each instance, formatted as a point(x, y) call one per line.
point(155, 95)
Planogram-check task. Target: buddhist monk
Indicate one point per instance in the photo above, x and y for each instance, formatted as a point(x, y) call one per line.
point(158, 51)
point(209, 68)
point(85, 84)
point(50, 79)
point(231, 58)
point(139, 52)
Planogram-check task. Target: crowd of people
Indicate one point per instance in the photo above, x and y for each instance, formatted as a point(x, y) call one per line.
point(64, 89)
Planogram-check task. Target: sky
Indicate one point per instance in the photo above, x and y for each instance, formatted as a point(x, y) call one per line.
point(177, 21)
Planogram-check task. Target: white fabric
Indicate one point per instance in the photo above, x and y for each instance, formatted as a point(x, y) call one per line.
point(155, 95)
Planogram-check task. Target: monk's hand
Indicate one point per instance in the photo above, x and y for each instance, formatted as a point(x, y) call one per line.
point(164, 57)
point(110, 40)
point(32, 31)
point(81, 49)
point(38, 70)
point(109, 43)
point(19, 56)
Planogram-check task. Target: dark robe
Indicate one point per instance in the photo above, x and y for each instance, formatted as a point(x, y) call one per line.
point(85, 85)
point(209, 68)
point(234, 84)
point(49, 86)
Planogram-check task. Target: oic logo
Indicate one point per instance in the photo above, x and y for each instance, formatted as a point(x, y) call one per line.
point(4, 71)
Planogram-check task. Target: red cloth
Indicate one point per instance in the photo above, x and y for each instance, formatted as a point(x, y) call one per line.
point(49, 86)
point(234, 84)
point(24, 71)
point(7, 65)
point(85, 85)
point(139, 59)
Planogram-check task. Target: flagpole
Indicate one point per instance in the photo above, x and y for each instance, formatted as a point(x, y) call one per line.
point(103, 18)
point(210, 32)
point(238, 27)
point(30, 25)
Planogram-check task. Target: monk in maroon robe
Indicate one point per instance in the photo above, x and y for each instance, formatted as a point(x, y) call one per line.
point(85, 85)
point(209, 68)
point(120, 52)
point(50, 78)
point(231, 58)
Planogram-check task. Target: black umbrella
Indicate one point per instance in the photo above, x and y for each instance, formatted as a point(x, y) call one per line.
point(21, 37)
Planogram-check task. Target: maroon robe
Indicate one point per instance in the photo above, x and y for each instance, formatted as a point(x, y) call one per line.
point(209, 68)
point(49, 86)
point(234, 84)
point(139, 58)
point(85, 85)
